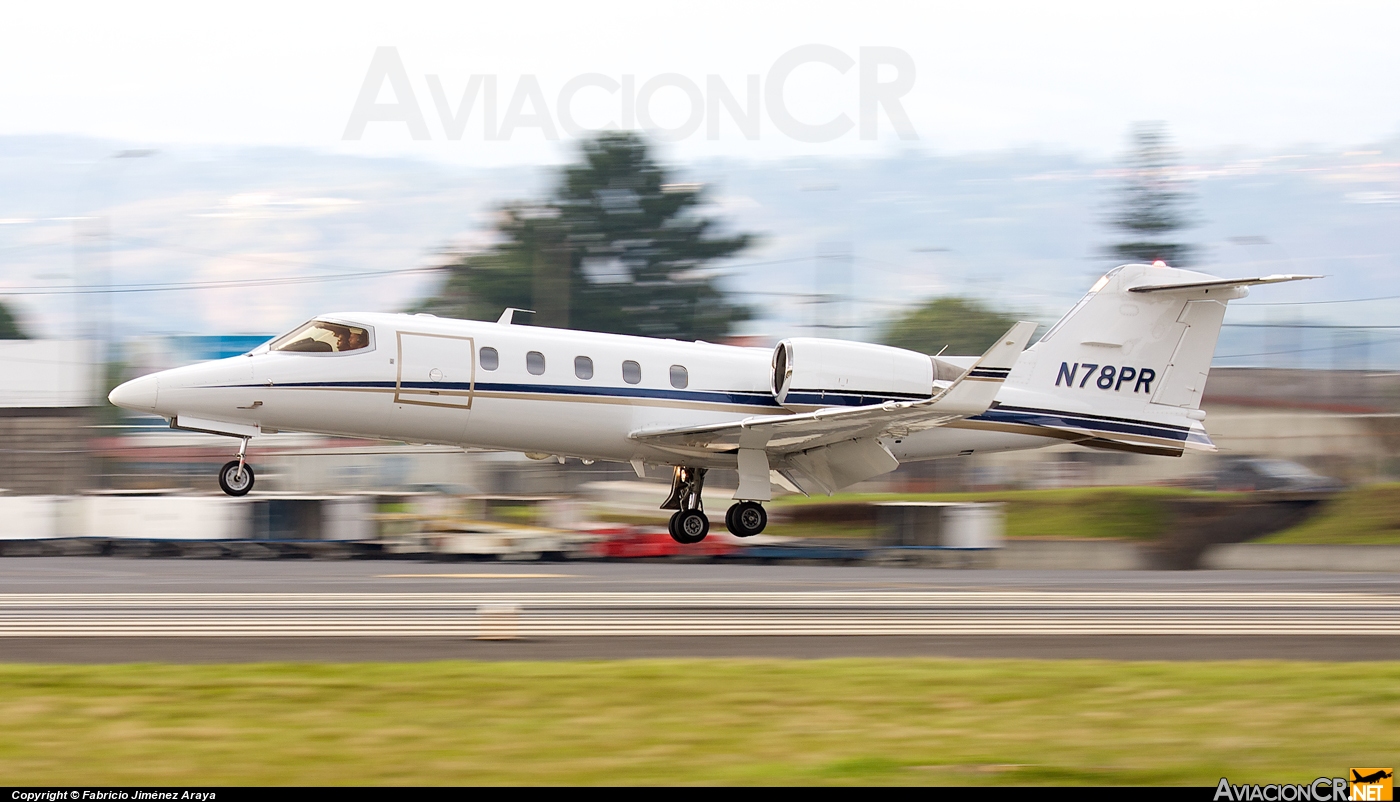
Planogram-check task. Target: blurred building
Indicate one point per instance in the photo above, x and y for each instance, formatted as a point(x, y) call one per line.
point(144, 355)
point(48, 389)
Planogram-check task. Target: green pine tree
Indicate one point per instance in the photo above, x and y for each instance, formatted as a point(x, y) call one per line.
point(618, 248)
point(1151, 202)
point(10, 329)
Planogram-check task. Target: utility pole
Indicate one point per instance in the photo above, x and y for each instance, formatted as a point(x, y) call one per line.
point(832, 289)
point(92, 257)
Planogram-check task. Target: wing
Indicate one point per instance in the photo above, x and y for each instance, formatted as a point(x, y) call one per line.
point(786, 439)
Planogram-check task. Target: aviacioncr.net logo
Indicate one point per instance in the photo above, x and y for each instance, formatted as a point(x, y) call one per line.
point(630, 104)
point(1372, 785)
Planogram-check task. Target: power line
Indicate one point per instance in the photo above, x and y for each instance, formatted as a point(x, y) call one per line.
point(1310, 350)
point(149, 244)
point(1300, 326)
point(90, 289)
point(1313, 303)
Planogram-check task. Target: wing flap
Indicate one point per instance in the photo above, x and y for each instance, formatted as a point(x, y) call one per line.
point(843, 464)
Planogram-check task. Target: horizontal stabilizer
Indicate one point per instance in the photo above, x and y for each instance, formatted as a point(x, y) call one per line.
point(1221, 283)
point(977, 388)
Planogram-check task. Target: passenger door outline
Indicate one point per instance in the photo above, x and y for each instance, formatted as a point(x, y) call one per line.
point(435, 398)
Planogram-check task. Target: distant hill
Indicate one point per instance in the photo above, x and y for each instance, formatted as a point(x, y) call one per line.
point(1019, 229)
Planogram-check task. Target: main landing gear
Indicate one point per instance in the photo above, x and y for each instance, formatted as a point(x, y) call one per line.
point(746, 518)
point(236, 477)
point(689, 525)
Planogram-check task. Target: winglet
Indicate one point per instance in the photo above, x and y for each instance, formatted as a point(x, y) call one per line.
point(507, 317)
point(974, 391)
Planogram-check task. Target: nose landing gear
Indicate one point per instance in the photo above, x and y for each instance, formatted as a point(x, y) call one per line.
point(236, 477)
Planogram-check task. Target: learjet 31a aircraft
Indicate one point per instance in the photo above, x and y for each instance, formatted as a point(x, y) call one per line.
point(1123, 370)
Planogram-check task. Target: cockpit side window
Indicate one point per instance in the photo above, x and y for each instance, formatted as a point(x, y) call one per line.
point(324, 337)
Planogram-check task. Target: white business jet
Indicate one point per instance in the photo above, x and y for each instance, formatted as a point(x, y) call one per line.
point(1123, 370)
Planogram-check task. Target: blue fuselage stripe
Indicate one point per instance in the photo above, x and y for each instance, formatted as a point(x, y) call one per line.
point(1054, 419)
point(1025, 416)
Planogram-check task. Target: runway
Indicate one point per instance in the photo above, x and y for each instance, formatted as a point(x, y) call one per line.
point(754, 613)
point(87, 609)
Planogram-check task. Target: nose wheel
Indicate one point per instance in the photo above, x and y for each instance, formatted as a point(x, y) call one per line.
point(746, 519)
point(236, 477)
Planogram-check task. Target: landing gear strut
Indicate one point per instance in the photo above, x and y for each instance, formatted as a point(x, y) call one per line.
point(689, 525)
point(746, 518)
point(236, 477)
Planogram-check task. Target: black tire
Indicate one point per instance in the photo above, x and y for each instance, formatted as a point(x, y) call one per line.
point(746, 519)
point(229, 479)
point(689, 527)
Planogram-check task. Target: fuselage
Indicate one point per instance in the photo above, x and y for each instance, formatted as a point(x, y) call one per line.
point(541, 391)
point(1124, 369)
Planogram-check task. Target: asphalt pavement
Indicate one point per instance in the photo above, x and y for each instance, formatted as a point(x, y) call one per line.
point(78, 609)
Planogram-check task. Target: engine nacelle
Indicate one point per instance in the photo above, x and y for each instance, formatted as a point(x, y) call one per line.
point(810, 373)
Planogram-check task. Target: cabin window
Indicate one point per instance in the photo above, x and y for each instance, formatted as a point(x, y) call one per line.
point(323, 337)
point(490, 359)
point(680, 377)
point(583, 367)
point(534, 362)
point(631, 372)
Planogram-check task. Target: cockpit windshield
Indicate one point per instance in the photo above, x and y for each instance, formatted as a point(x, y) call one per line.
point(324, 337)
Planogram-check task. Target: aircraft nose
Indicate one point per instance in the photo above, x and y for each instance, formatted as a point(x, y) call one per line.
point(137, 394)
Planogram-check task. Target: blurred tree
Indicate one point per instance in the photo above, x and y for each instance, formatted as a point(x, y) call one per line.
point(10, 328)
point(964, 325)
point(618, 248)
point(1151, 204)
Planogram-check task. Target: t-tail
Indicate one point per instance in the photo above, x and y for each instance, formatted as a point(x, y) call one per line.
point(1125, 368)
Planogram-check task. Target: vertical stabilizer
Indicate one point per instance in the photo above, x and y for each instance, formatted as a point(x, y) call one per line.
point(1127, 369)
point(1119, 349)
point(1127, 366)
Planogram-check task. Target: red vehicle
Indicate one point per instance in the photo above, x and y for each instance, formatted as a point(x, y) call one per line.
point(621, 542)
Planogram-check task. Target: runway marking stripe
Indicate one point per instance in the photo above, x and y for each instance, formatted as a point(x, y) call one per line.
point(475, 576)
point(680, 599)
point(762, 613)
point(857, 592)
point(1029, 628)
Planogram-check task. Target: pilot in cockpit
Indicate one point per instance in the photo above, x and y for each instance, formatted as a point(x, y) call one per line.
point(319, 336)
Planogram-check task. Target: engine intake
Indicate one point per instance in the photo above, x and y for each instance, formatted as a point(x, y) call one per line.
point(810, 373)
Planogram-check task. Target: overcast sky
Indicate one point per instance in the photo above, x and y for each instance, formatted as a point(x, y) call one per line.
point(986, 75)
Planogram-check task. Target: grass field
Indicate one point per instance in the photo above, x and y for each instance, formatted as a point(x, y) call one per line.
point(697, 721)
point(1364, 515)
point(1130, 513)
point(1367, 515)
